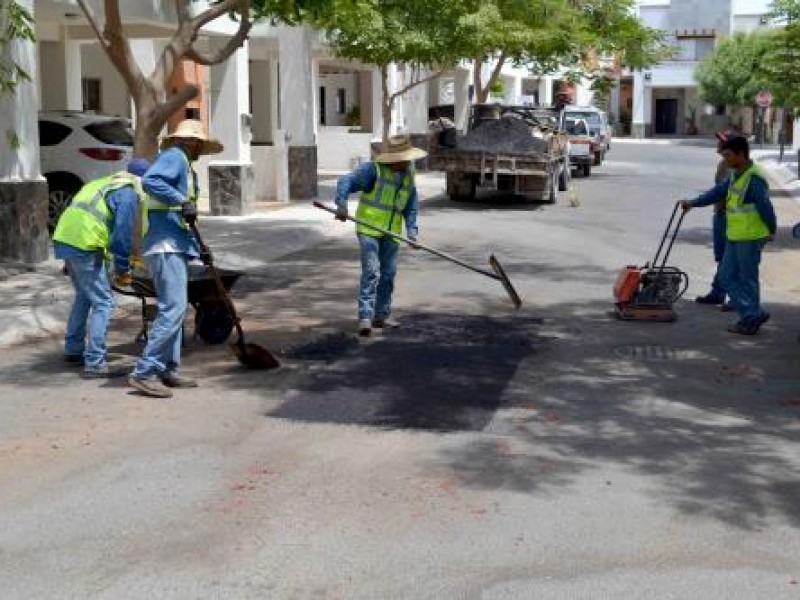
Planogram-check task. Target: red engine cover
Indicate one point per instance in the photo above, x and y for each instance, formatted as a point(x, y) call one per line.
point(627, 284)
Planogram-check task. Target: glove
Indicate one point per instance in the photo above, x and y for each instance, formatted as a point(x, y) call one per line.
point(413, 243)
point(189, 212)
point(206, 258)
point(686, 205)
point(123, 279)
point(341, 213)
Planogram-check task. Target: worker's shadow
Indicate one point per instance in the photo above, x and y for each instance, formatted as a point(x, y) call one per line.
point(436, 372)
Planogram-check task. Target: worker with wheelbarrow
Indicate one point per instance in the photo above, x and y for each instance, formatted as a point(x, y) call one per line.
point(388, 201)
point(168, 245)
point(98, 225)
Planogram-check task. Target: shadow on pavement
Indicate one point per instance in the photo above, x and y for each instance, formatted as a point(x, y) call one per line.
point(436, 372)
point(715, 423)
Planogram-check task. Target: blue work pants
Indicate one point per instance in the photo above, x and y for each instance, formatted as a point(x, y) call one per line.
point(739, 273)
point(378, 269)
point(93, 305)
point(162, 354)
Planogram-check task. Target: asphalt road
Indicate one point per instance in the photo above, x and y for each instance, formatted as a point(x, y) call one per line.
point(477, 452)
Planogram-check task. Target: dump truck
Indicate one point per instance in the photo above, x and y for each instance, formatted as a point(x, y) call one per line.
point(518, 150)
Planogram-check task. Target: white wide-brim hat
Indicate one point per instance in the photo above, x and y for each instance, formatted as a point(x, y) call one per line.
point(399, 149)
point(193, 129)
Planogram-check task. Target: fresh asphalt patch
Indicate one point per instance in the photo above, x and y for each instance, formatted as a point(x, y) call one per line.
point(435, 372)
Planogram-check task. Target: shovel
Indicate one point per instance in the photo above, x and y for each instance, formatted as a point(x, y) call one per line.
point(250, 355)
point(497, 271)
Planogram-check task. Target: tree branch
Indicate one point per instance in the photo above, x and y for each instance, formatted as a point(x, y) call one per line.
point(182, 9)
point(92, 18)
point(166, 109)
point(415, 83)
point(497, 69)
point(226, 51)
point(225, 6)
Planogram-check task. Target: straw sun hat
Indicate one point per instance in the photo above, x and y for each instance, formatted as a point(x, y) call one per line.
point(399, 149)
point(192, 129)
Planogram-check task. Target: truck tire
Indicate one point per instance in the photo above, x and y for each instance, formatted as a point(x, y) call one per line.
point(460, 187)
point(598, 158)
point(552, 196)
point(563, 178)
point(586, 168)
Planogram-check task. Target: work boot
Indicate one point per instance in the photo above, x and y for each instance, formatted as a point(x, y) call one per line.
point(727, 307)
point(174, 380)
point(744, 328)
point(150, 386)
point(709, 299)
point(385, 323)
point(364, 327)
point(75, 360)
point(105, 372)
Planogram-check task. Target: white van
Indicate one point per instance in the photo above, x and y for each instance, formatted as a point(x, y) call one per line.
point(597, 121)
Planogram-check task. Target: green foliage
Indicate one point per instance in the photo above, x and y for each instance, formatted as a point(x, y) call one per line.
point(732, 74)
point(781, 64)
point(16, 23)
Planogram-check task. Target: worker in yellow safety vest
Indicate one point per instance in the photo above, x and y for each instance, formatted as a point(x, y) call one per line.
point(750, 224)
point(98, 225)
point(388, 200)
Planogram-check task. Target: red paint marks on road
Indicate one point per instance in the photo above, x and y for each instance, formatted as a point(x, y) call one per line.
point(791, 401)
point(551, 416)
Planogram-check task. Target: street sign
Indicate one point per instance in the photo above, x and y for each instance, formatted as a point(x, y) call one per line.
point(764, 99)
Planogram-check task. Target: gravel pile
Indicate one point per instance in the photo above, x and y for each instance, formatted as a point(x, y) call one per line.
point(504, 136)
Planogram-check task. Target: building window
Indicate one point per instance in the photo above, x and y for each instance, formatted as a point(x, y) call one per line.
point(92, 95)
point(341, 101)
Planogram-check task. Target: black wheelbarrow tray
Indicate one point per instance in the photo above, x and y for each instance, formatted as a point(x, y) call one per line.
point(212, 321)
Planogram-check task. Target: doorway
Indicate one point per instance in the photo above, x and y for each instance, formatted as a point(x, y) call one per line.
point(666, 116)
point(322, 106)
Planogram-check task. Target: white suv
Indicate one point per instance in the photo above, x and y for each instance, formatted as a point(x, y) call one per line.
point(77, 148)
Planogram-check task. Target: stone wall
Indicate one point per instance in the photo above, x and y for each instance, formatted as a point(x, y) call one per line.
point(231, 189)
point(303, 172)
point(23, 221)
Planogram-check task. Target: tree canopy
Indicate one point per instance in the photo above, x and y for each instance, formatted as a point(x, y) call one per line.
point(731, 75)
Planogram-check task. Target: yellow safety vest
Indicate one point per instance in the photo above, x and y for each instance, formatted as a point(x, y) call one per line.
point(86, 222)
point(155, 204)
point(744, 223)
point(384, 204)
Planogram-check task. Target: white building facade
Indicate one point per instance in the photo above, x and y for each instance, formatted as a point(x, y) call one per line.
point(663, 100)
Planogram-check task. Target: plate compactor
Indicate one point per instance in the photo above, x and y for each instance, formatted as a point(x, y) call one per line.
point(649, 293)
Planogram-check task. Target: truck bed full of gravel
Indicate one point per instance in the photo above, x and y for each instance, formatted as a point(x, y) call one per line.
point(504, 136)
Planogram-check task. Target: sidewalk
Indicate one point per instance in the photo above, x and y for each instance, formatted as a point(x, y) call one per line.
point(782, 175)
point(35, 301)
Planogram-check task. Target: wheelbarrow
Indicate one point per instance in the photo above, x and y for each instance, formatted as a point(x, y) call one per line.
point(213, 322)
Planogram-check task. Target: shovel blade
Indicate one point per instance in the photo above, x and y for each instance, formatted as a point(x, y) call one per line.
point(505, 281)
point(254, 356)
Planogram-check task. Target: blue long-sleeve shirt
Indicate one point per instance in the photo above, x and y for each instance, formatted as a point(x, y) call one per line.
point(363, 179)
point(757, 193)
point(122, 203)
point(167, 180)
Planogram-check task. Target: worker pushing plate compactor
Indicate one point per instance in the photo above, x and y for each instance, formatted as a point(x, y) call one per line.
point(649, 293)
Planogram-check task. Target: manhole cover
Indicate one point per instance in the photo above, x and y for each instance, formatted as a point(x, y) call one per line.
point(646, 353)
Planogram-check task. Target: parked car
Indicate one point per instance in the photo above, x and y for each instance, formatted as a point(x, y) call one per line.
point(77, 148)
point(597, 121)
point(582, 145)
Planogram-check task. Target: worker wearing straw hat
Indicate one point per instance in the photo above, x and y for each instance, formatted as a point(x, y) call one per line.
point(388, 200)
point(168, 245)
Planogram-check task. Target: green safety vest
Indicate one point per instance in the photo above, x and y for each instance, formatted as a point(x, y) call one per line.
point(156, 204)
point(384, 204)
point(86, 222)
point(744, 223)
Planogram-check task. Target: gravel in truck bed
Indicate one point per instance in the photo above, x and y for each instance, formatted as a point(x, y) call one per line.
point(504, 136)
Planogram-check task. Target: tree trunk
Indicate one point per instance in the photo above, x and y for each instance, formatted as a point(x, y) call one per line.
point(387, 101)
point(481, 92)
point(145, 143)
